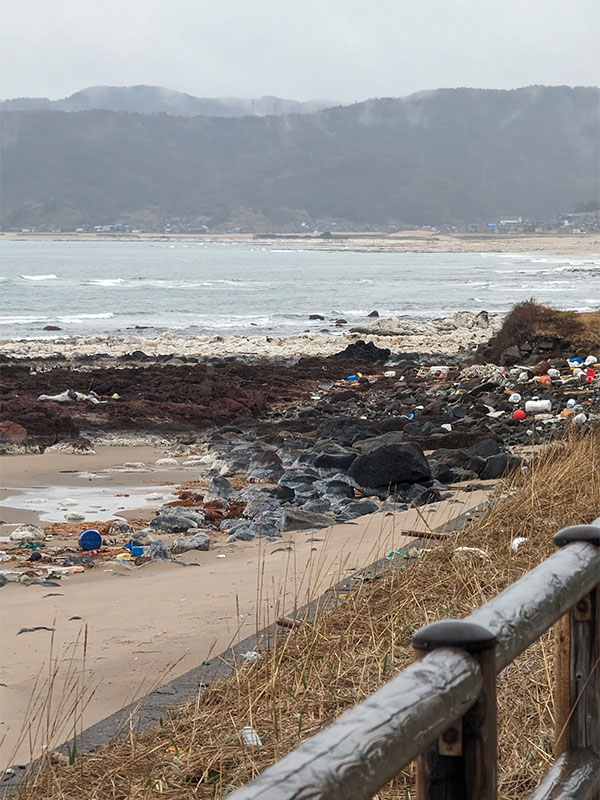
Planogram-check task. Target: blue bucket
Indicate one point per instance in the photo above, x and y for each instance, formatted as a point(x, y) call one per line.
point(90, 540)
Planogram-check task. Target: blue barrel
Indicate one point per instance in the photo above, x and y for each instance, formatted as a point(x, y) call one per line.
point(90, 540)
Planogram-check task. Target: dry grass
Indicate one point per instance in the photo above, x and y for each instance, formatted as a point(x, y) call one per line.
point(528, 321)
point(318, 670)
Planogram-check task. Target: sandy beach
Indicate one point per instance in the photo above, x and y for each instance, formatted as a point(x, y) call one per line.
point(418, 241)
point(146, 625)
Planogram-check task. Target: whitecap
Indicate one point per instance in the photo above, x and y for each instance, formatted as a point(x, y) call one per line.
point(105, 282)
point(74, 318)
point(21, 320)
point(51, 277)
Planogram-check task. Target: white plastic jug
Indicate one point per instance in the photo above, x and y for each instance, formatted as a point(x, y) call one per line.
point(536, 406)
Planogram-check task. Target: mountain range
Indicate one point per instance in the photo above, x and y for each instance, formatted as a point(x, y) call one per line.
point(433, 158)
point(158, 100)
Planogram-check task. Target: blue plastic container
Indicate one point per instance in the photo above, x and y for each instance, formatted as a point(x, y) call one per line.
point(134, 549)
point(90, 539)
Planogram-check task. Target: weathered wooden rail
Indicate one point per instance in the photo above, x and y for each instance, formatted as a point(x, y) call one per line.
point(441, 710)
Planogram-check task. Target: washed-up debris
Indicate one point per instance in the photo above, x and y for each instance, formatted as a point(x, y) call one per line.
point(393, 553)
point(41, 582)
point(251, 655)
point(289, 622)
point(464, 553)
point(90, 539)
point(517, 542)
point(28, 532)
point(250, 737)
point(71, 396)
point(37, 628)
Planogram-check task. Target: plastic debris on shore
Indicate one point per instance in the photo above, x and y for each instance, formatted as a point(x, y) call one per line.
point(71, 396)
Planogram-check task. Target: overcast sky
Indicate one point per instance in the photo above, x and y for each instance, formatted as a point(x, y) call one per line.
point(312, 49)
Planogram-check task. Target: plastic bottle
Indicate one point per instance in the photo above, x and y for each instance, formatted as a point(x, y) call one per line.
point(514, 398)
point(250, 737)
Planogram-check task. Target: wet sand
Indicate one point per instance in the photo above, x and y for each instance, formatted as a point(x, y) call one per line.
point(146, 625)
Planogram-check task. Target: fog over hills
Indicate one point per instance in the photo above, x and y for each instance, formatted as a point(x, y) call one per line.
point(157, 100)
point(432, 158)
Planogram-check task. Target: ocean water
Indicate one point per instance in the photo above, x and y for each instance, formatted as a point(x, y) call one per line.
point(191, 288)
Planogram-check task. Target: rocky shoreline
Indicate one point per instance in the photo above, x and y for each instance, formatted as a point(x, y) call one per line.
point(460, 332)
point(312, 441)
point(256, 462)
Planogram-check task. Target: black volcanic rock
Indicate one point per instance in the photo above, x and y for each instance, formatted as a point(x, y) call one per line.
point(390, 464)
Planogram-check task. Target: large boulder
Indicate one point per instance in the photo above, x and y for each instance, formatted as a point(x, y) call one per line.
point(346, 430)
point(366, 445)
point(498, 465)
point(330, 457)
point(334, 488)
point(297, 519)
point(267, 500)
point(158, 551)
point(382, 468)
point(177, 519)
point(458, 458)
point(356, 508)
point(295, 478)
point(197, 541)
point(266, 467)
point(485, 448)
point(362, 352)
point(220, 489)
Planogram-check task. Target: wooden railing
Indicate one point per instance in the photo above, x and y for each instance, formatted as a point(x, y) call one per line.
point(441, 710)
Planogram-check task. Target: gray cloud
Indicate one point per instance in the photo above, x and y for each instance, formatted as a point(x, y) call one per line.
point(336, 49)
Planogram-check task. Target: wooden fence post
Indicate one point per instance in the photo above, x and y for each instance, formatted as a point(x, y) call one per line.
point(462, 765)
point(577, 687)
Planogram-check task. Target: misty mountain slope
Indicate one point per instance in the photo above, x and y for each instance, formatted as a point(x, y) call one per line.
point(457, 154)
point(158, 100)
